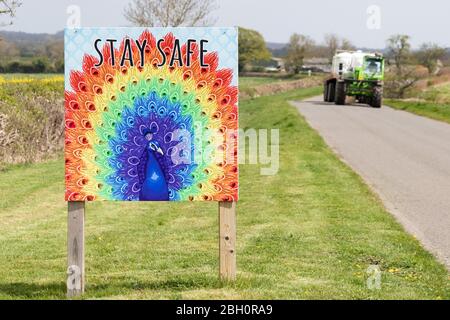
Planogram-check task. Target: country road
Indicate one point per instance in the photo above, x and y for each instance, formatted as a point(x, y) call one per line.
point(403, 157)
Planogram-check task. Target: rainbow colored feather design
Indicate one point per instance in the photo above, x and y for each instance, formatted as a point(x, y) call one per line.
point(122, 124)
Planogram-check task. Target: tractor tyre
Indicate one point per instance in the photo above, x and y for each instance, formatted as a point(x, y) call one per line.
point(325, 92)
point(340, 93)
point(331, 91)
point(377, 99)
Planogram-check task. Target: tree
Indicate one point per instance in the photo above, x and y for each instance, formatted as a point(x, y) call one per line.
point(403, 76)
point(397, 85)
point(8, 49)
point(347, 45)
point(13, 67)
point(332, 44)
point(170, 13)
point(298, 48)
point(399, 49)
point(40, 65)
point(429, 54)
point(252, 48)
point(54, 51)
point(8, 8)
point(59, 66)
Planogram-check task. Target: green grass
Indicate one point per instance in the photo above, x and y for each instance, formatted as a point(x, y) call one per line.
point(254, 81)
point(434, 103)
point(248, 84)
point(309, 232)
point(427, 109)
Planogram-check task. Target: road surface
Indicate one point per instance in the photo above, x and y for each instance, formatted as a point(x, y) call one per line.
point(404, 158)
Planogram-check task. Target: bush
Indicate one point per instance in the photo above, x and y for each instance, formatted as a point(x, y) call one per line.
point(31, 121)
point(400, 83)
point(38, 65)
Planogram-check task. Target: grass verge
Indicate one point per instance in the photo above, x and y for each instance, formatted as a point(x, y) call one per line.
point(434, 111)
point(309, 232)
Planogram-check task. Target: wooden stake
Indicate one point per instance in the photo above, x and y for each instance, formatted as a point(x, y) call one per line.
point(75, 249)
point(227, 240)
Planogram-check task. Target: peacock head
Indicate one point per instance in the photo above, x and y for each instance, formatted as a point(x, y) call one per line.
point(152, 143)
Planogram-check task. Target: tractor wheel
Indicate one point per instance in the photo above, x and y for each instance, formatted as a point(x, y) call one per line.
point(377, 99)
point(361, 99)
point(340, 93)
point(331, 91)
point(325, 92)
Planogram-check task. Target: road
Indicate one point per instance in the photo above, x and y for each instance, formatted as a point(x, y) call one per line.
point(404, 158)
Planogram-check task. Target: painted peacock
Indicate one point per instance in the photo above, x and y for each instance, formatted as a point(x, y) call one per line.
point(125, 126)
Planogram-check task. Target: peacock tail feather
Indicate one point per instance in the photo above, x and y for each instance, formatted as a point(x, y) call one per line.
point(110, 108)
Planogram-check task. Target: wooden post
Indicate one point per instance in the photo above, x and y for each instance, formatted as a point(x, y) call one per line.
point(75, 249)
point(227, 240)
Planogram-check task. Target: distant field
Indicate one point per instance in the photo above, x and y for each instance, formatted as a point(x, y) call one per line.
point(9, 76)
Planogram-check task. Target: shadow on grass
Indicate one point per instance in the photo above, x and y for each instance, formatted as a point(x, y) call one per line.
point(115, 286)
point(175, 284)
point(19, 290)
point(347, 105)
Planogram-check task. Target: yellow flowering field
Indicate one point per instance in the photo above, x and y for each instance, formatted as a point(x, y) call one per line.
point(21, 78)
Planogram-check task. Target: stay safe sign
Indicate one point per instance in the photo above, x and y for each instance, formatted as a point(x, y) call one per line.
point(151, 114)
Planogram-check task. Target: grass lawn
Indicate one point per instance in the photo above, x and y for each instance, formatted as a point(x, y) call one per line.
point(431, 110)
point(255, 81)
point(309, 232)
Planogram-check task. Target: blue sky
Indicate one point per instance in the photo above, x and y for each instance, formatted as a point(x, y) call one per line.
point(424, 20)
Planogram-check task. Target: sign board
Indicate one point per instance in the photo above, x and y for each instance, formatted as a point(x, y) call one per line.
point(151, 114)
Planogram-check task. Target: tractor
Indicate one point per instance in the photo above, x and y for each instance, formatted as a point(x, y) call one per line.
point(356, 74)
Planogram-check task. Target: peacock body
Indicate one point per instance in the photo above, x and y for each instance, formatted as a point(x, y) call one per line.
point(131, 129)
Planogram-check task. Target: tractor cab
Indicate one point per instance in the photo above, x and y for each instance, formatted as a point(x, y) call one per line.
point(373, 68)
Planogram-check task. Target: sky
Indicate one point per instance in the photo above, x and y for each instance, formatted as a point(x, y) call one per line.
point(367, 23)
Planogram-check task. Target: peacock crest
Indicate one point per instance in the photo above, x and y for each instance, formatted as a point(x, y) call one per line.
point(124, 125)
